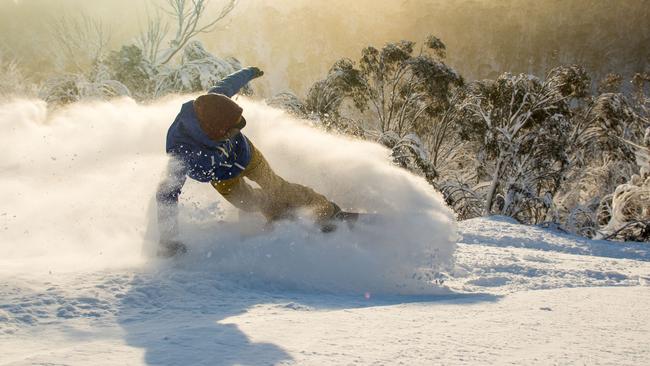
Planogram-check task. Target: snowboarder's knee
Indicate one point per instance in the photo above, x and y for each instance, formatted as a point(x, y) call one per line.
point(225, 187)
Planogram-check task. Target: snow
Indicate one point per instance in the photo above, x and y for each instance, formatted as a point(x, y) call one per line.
point(91, 206)
point(522, 297)
point(507, 257)
point(76, 289)
point(508, 302)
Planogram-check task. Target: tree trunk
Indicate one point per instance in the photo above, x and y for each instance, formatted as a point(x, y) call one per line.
point(493, 187)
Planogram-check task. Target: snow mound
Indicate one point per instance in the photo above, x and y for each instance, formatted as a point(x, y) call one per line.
point(78, 184)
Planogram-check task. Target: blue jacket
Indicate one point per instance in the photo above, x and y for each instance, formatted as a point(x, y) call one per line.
point(197, 156)
point(204, 159)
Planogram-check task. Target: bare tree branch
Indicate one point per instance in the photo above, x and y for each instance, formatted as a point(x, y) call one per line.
point(80, 41)
point(188, 15)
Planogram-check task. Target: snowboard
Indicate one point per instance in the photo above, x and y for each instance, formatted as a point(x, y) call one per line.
point(351, 219)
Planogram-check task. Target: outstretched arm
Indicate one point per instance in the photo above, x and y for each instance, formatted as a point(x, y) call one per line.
point(167, 198)
point(231, 84)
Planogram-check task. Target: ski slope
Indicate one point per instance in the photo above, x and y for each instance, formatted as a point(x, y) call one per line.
point(518, 294)
point(78, 287)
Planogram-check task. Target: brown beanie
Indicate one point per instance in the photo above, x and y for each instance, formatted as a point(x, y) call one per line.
point(216, 114)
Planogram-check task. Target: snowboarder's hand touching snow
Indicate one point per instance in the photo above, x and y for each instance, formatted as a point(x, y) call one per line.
point(171, 248)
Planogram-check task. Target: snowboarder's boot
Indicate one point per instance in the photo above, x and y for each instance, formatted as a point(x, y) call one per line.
point(339, 217)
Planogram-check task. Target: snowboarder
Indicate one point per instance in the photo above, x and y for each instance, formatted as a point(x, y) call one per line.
point(205, 143)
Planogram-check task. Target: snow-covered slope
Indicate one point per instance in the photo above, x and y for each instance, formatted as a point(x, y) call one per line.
point(519, 294)
point(76, 289)
point(499, 256)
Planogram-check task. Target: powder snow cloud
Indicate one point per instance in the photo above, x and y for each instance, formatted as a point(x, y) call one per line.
point(78, 184)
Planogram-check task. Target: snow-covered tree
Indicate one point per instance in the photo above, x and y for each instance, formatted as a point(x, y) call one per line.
point(466, 200)
point(142, 70)
point(518, 126)
point(198, 70)
point(129, 65)
point(641, 97)
point(607, 140)
point(626, 214)
point(290, 103)
point(408, 152)
point(611, 121)
point(397, 91)
point(402, 90)
point(80, 48)
point(189, 21)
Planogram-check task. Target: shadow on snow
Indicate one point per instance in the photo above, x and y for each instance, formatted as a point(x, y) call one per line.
point(176, 316)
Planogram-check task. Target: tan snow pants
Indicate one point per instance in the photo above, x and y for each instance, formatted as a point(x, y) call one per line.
point(276, 198)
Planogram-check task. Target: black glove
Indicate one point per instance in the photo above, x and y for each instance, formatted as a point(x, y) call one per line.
point(257, 72)
point(171, 248)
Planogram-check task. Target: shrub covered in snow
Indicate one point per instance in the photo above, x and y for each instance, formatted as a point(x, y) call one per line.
point(409, 152)
point(198, 70)
point(538, 150)
point(630, 211)
point(144, 70)
point(127, 72)
point(13, 81)
point(627, 212)
point(290, 103)
point(130, 66)
point(71, 88)
point(518, 125)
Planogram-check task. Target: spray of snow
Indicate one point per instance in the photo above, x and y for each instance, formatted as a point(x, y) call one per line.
point(77, 187)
